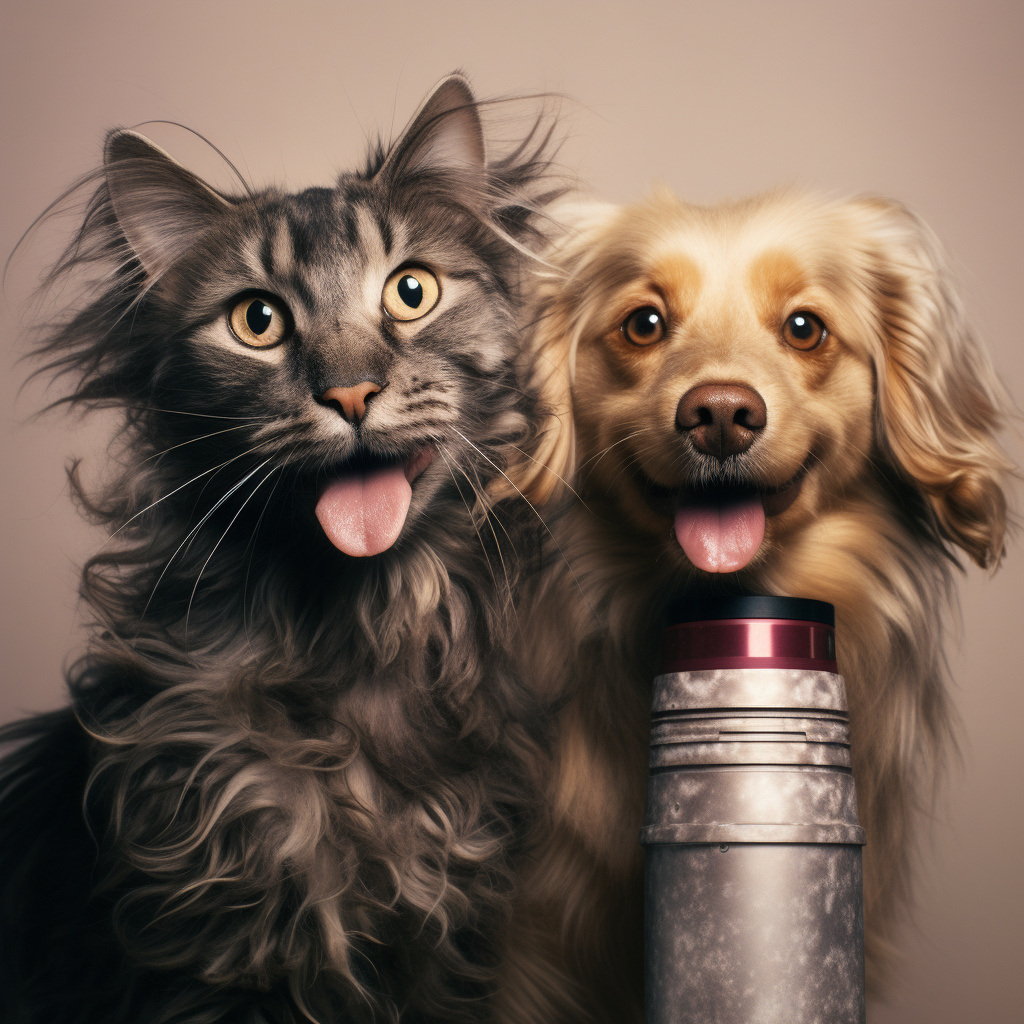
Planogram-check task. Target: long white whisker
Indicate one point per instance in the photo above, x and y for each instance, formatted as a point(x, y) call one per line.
point(549, 469)
point(472, 518)
point(484, 501)
point(193, 440)
point(532, 508)
point(255, 535)
point(169, 494)
point(203, 415)
point(600, 455)
point(193, 532)
point(191, 598)
point(483, 505)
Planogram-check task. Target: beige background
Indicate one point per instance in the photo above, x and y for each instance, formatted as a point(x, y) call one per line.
point(921, 101)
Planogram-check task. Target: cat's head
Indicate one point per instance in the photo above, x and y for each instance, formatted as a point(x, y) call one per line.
point(349, 350)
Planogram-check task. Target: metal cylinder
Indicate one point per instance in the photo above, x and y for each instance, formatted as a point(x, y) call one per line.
point(753, 884)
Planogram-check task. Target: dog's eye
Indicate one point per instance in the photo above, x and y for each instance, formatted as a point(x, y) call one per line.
point(259, 321)
point(803, 330)
point(410, 293)
point(644, 326)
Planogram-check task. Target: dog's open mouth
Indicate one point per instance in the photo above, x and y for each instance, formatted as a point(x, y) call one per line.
point(363, 506)
point(721, 528)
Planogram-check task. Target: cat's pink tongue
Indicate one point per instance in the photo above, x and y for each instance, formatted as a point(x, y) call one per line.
point(720, 533)
point(363, 514)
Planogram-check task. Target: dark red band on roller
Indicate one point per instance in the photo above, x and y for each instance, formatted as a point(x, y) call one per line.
point(749, 643)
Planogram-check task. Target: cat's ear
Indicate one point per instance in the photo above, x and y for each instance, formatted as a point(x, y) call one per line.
point(445, 134)
point(161, 207)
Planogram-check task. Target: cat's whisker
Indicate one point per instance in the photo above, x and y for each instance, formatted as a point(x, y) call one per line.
point(265, 478)
point(485, 504)
point(509, 387)
point(482, 503)
point(532, 508)
point(193, 532)
point(210, 480)
point(252, 551)
point(624, 466)
point(198, 415)
point(194, 440)
point(472, 517)
point(170, 494)
point(604, 451)
point(490, 509)
point(549, 469)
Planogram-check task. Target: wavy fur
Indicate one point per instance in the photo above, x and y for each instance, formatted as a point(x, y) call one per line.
point(308, 774)
point(896, 418)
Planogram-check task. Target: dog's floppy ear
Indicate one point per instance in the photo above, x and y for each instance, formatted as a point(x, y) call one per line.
point(555, 325)
point(543, 470)
point(940, 406)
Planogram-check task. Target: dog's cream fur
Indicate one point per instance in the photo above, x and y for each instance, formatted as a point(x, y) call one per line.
point(895, 417)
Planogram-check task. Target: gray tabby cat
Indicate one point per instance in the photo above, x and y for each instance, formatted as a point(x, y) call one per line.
point(309, 765)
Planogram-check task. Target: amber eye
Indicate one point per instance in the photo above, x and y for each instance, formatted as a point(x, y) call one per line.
point(258, 321)
point(644, 326)
point(803, 330)
point(410, 293)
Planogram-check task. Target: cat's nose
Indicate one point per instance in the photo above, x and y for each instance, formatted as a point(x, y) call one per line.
point(351, 402)
point(721, 419)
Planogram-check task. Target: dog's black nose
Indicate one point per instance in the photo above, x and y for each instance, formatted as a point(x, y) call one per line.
point(721, 419)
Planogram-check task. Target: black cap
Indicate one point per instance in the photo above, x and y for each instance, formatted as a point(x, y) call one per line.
point(751, 606)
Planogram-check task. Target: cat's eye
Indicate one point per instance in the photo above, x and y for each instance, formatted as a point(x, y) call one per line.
point(803, 330)
point(410, 293)
point(259, 321)
point(644, 326)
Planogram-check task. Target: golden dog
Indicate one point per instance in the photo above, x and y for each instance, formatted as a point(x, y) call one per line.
point(782, 396)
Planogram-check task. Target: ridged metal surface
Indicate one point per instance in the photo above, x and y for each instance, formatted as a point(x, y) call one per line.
point(802, 799)
point(753, 881)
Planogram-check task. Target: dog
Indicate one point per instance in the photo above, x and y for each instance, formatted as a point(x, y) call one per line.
point(779, 395)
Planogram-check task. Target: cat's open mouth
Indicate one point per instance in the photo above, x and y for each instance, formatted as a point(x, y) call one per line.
point(363, 506)
point(720, 528)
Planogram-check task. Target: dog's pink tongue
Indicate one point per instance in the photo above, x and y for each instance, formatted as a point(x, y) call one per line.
point(363, 514)
point(718, 533)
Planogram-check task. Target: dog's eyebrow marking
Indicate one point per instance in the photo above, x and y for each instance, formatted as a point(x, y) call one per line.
point(678, 272)
point(775, 278)
point(679, 280)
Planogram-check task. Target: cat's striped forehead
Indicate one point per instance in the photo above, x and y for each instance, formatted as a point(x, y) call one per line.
point(324, 258)
point(332, 247)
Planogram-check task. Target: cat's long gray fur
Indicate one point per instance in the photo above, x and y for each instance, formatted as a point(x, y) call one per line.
point(307, 773)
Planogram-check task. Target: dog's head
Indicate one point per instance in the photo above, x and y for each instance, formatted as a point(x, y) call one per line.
point(722, 375)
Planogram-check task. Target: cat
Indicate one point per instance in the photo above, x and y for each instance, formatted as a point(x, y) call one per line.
point(309, 763)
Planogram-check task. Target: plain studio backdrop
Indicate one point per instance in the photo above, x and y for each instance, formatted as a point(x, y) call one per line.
point(919, 101)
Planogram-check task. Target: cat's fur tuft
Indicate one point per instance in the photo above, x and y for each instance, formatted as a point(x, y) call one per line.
point(307, 773)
